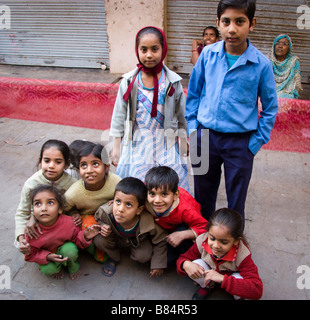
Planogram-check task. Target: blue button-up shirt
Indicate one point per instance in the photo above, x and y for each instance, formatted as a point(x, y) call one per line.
point(226, 99)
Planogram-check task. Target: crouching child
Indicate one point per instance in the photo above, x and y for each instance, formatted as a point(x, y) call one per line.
point(131, 226)
point(59, 240)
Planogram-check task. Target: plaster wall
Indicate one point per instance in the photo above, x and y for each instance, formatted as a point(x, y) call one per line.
point(124, 19)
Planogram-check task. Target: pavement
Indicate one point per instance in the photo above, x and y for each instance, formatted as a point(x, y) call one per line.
point(277, 219)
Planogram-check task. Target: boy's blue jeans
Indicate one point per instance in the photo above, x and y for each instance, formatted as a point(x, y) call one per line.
point(70, 250)
point(230, 150)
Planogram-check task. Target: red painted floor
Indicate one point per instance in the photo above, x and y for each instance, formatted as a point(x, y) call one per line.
point(90, 105)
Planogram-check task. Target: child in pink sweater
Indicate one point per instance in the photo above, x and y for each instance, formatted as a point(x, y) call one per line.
point(58, 244)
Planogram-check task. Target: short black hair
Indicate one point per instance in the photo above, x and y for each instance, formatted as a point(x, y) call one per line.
point(60, 145)
point(230, 219)
point(46, 187)
point(75, 147)
point(249, 7)
point(133, 186)
point(162, 177)
point(96, 149)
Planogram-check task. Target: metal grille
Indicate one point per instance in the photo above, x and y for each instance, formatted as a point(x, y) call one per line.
point(52, 33)
point(187, 19)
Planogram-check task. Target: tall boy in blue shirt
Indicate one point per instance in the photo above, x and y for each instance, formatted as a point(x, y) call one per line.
point(223, 93)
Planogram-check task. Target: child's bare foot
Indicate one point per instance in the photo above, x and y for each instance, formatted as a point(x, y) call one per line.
point(76, 275)
point(59, 275)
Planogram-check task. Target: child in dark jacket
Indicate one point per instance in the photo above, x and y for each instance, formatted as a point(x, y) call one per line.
point(132, 226)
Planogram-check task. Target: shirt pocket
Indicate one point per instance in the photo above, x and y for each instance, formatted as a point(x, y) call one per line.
point(246, 91)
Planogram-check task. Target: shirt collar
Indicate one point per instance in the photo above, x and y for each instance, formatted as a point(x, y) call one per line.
point(166, 213)
point(231, 255)
point(248, 55)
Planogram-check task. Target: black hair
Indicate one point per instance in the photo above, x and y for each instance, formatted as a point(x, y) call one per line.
point(217, 34)
point(75, 147)
point(133, 186)
point(95, 149)
point(249, 7)
point(231, 219)
point(45, 187)
point(148, 30)
point(60, 145)
point(162, 177)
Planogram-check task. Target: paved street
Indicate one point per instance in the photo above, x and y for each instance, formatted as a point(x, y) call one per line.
point(277, 227)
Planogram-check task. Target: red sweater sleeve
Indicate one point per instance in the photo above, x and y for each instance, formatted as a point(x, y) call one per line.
point(191, 215)
point(38, 256)
point(250, 287)
point(195, 221)
point(79, 239)
point(191, 254)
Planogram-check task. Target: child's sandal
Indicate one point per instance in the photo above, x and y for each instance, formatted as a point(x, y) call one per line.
point(109, 268)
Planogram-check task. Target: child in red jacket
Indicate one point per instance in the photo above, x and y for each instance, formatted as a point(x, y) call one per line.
point(221, 256)
point(174, 209)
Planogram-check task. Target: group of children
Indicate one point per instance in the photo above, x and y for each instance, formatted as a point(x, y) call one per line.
point(146, 204)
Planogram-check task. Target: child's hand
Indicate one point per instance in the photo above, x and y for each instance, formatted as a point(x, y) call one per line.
point(184, 147)
point(56, 258)
point(156, 273)
point(175, 238)
point(193, 270)
point(196, 43)
point(213, 276)
point(33, 229)
point(116, 151)
point(91, 232)
point(105, 230)
point(77, 219)
point(24, 246)
point(115, 158)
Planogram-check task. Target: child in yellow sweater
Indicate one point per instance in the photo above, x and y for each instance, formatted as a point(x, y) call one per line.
point(95, 188)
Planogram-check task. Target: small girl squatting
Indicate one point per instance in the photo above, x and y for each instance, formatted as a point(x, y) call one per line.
point(224, 252)
point(58, 244)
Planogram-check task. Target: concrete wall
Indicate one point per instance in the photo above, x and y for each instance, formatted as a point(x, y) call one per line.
point(124, 19)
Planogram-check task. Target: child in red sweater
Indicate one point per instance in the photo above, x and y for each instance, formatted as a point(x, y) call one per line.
point(221, 256)
point(60, 239)
point(174, 209)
